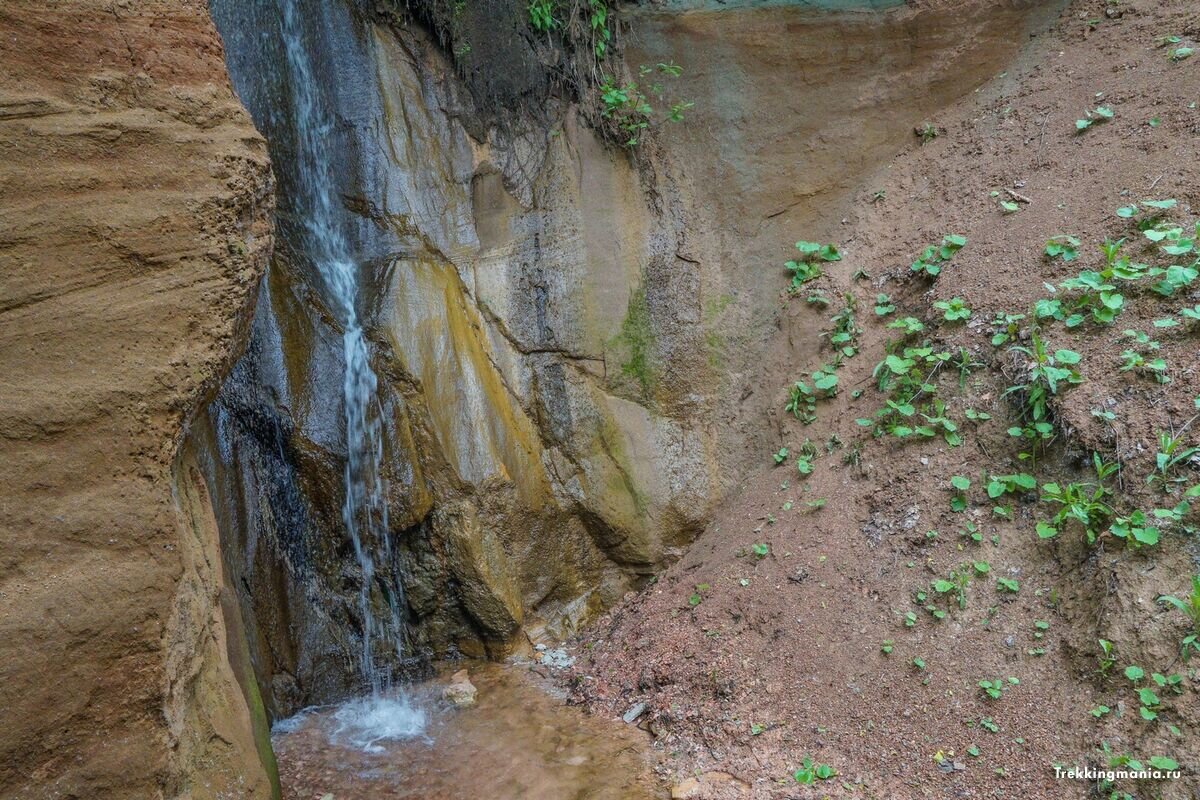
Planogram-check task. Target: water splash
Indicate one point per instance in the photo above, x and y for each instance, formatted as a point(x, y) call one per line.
point(365, 722)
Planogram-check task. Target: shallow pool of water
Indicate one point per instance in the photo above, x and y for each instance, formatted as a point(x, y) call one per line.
point(518, 742)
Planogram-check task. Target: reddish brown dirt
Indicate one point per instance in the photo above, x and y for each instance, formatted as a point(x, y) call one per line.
point(792, 642)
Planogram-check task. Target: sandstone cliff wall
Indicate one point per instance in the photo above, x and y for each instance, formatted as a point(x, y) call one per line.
point(135, 203)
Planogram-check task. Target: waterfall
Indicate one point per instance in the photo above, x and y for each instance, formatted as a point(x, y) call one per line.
point(364, 511)
point(286, 58)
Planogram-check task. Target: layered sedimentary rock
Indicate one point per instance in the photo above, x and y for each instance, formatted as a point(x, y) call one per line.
point(135, 201)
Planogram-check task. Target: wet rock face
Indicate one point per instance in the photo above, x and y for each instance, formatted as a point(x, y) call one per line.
point(506, 284)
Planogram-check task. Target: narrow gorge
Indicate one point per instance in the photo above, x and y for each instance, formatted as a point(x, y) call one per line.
point(377, 339)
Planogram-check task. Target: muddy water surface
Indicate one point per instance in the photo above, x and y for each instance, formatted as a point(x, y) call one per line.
point(517, 743)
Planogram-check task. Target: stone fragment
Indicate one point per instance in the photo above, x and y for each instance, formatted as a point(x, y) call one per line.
point(460, 691)
point(635, 711)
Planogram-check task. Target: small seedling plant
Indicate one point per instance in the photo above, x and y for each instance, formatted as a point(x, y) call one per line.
point(995, 689)
point(1106, 659)
point(844, 336)
point(806, 458)
point(807, 264)
point(1172, 453)
point(955, 584)
point(936, 256)
point(912, 409)
point(908, 326)
point(1088, 295)
point(1082, 503)
point(811, 771)
point(1143, 359)
point(1189, 606)
point(1005, 328)
point(1135, 530)
point(1096, 116)
point(1047, 373)
point(802, 402)
point(1008, 585)
point(1063, 247)
point(959, 484)
point(953, 310)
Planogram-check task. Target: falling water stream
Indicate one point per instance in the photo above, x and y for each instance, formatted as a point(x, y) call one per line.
point(289, 99)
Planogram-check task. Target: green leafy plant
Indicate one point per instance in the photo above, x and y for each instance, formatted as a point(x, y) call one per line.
point(926, 132)
point(1134, 530)
point(541, 15)
point(1046, 374)
point(811, 772)
point(1142, 360)
point(844, 335)
point(884, 305)
point(1083, 503)
point(1005, 328)
point(1172, 279)
point(955, 584)
point(999, 485)
point(906, 374)
point(965, 363)
point(1092, 294)
point(1189, 606)
point(953, 310)
point(935, 257)
point(628, 106)
point(1062, 246)
point(976, 416)
point(1007, 206)
point(780, 455)
point(907, 325)
point(808, 455)
point(760, 550)
point(807, 265)
point(825, 380)
point(1008, 585)
point(1106, 659)
point(995, 689)
point(802, 402)
point(960, 484)
point(1171, 454)
point(1156, 209)
point(1094, 117)
point(598, 24)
